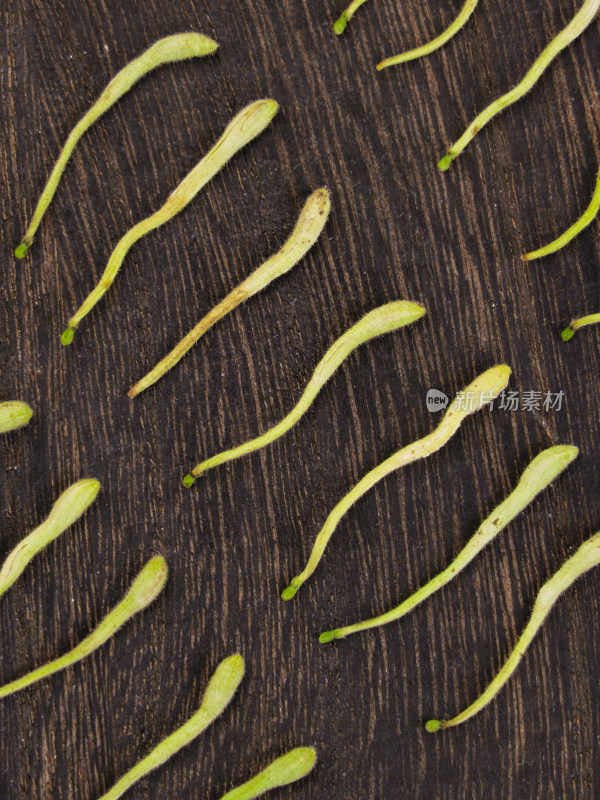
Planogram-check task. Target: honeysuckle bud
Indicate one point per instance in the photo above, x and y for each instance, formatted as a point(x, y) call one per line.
point(587, 557)
point(575, 28)
point(482, 391)
point(144, 590)
point(381, 320)
point(14, 414)
point(544, 468)
point(306, 232)
point(172, 48)
point(244, 127)
point(219, 692)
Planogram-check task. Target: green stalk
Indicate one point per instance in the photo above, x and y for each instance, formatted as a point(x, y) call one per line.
point(483, 390)
point(164, 51)
point(145, 588)
point(575, 324)
point(14, 414)
point(540, 473)
point(248, 124)
point(220, 690)
point(584, 220)
point(587, 557)
point(575, 28)
point(306, 232)
point(66, 510)
point(284, 770)
point(340, 25)
point(434, 44)
point(381, 320)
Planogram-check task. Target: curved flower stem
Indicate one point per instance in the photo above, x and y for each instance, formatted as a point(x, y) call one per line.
point(584, 220)
point(479, 393)
point(540, 473)
point(575, 28)
point(14, 414)
point(66, 510)
point(164, 51)
point(382, 320)
point(340, 25)
point(434, 44)
point(284, 770)
point(220, 690)
point(308, 228)
point(251, 121)
point(587, 557)
point(145, 588)
point(575, 324)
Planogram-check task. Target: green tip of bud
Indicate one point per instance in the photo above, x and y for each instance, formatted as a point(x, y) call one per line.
point(433, 725)
point(340, 26)
point(67, 336)
point(149, 583)
point(21, 250)
point(188, 481)
point(327, 636)
point(305, 758)
point(567, 334)
point(290, 592)
point(95, 486)
point(444, 163)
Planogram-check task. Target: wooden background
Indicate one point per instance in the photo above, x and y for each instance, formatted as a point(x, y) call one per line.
point(399, 229)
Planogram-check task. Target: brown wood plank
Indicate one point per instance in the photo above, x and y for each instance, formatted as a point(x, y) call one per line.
point(399, 229)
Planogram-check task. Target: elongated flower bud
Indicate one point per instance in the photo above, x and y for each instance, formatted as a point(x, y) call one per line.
point(69, 507)
point(306, 232)
point(172, 48)
point(587, 557)
point(144, 590)
point(14, 414)
point(544, 468)
point(219, 692)
point(482, 391)
point(575, 28)
point(381, 320)
point(244, 127)
point(284, 770)
point(434, 44)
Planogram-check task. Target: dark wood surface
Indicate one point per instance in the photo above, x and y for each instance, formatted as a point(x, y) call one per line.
point(399, 229)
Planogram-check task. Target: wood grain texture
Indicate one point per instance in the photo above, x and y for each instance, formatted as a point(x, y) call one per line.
point(399, 229)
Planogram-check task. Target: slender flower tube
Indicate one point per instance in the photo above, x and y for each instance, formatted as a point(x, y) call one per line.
point(584, 220)
point(434, 44)
point(540, 473)
point(14, 414)
point(382, 320)
point(284, 770)
point(66, 510)
point(340, 25)
point(575, 324)
point(306, 232)
point(220, 690)
point(172, 48)
point(575, 28)
point(587, 557)
point(145, 588)
point(483, 390)
point(247, 125)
